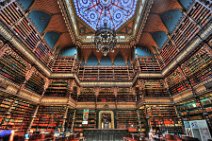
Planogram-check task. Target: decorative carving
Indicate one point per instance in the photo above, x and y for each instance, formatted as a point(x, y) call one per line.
point(30, 73)
point(79, 91)
point(1, 43)
point(71, 85)
point(97, 91)
point(5, 50)
point(46, 84)
point(115, 91)
point(3, 84)
point(106, 120)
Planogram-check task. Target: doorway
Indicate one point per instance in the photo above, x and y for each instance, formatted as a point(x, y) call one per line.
point(106, 120)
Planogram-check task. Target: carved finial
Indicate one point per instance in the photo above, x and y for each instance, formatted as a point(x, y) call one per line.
point(47, 82)
point(5, 50)
point(97, 91)
point(30, 73)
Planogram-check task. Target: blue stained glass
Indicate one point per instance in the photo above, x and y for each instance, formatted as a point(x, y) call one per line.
point(112, 12)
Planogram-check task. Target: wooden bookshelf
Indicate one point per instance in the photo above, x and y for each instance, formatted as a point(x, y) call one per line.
point(154, 88)
point(36, 83)
point(25, 31)
point(13, 67)
point(126, 119)
point(49, 119)
point(125, 95)
point(148, 65)
point(198, 68)
point(168, 52)
point(106, 95)
point(185, 32)
point(65, 64)
point(180, 87)
point(189, 110)
point(106, 73)
point(200, 14)
point(142, 122)
point(74, 94)
point(164, 117)
point(58, 88)
point(79, 127)
point(69, 120)
point(15, 114)
point(177, 82)
point(43, 52)
point(206, 101)
point(87, 95)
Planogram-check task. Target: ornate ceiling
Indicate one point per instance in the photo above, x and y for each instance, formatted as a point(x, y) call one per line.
point(97, 13)
point(62, 23)
point(83, 17)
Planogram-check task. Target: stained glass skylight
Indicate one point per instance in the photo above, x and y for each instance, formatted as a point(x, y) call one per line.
point(112, 12)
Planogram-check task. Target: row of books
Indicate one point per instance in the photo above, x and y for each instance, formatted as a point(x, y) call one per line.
point(197, 17)
point(25, 31)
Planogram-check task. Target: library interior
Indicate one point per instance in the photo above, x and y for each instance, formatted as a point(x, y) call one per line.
point(105, 70)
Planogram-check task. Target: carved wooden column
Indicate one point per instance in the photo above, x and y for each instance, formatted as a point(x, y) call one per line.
point(140, 93)
point(115, 92)
point(96, 96)
point(1, 45)
point(73, 120)
point(78, 92)
point(46, 85)
point(132, 90)
point(64, 119)
point(33, 118)
point(4, 49)
point(137, 63)
point(71, 85)
point(74, 63)
point(139, 119)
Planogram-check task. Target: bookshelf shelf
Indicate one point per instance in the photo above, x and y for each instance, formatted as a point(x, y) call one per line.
point(49, 119)
point(78, 126)
point(13, 67)
point(164, 117)
point(186, 31)
point(36, 83)
point(153, 88)
point(25, 31)
point(198, 67)
point(107, 73)
point(65, 64)
point(126, 119)
point(57, 88)
point(148, 65)
point(15, 114)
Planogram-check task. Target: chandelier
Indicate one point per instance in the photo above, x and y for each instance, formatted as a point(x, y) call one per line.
point(105, 40)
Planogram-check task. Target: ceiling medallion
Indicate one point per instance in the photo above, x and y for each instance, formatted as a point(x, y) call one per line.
point(105, 17)
point(95, 12)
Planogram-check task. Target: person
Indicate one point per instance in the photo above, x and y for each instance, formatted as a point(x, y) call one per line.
point(81, 138)
point(152, 135)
